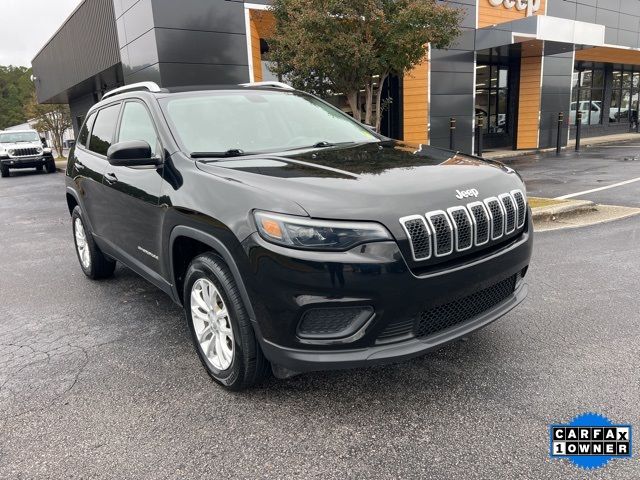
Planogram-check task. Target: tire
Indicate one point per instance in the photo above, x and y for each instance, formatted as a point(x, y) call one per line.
point(246, 365)
point(51, 166)
point(4, 171)
point(39, 168)
point(93, 262)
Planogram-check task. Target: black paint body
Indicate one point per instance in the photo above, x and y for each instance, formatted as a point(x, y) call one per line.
point(153, 218)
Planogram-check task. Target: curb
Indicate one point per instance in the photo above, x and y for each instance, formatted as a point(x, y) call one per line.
point(570, 207)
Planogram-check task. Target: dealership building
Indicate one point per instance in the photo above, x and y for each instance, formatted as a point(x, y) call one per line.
point(516, 65)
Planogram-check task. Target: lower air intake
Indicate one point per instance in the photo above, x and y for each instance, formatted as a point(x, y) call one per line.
point(459, 311)
point(329, 323)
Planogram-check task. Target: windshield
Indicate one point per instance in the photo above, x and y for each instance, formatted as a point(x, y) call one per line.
point(17, 137)
point(259, 121)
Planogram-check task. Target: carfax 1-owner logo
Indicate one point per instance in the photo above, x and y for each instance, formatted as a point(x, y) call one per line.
point(590, 441)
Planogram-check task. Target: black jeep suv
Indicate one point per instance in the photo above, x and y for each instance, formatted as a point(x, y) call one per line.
point(294, 237)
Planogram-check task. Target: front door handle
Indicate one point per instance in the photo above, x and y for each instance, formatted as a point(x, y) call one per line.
point(79, 166)
point(110, 178)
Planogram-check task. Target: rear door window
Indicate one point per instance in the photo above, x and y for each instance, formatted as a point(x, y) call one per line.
point(86, 128)
point(104, 129)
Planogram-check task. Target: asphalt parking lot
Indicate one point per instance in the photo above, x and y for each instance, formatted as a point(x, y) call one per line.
point(591, 169)
point(100, 380)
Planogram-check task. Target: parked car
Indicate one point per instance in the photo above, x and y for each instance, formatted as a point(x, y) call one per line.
point(292, 235)
point(23, 149)
point(586, 106)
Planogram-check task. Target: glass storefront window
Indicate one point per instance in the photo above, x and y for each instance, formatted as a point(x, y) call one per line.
point(587, 93)
point(492, 93)
point(624, 104)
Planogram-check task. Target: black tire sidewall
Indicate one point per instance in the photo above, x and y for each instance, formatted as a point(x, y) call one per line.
point(201, 268)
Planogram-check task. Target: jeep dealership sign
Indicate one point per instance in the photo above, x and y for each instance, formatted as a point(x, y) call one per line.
point(529, 5)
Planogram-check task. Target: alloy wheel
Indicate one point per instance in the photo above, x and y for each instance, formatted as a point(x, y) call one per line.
point(212, 324)
point(82, 245)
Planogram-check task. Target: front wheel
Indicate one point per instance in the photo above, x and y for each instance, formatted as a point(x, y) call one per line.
point(4, 171)
point(220, 326)
point(51, 166)
point(93, 262)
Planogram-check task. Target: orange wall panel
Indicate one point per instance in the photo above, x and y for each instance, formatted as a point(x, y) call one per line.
point(415, 97)
point(529, 96)
point(490, 15)
point(609, 55)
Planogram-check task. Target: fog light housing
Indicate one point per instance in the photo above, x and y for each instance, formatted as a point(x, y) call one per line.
point(333, 323)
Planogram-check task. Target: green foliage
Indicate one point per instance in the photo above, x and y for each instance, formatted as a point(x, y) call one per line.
point(55, 119)
point(345, 46)
point(16, 89)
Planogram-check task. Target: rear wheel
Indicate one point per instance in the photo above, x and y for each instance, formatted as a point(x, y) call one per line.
point(4, 171)
point(220, 326)
point(93, 262)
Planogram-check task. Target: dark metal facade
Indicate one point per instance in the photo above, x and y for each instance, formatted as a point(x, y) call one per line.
point(84, 47)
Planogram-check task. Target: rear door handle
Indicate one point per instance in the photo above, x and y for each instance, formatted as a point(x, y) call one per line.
point(110, 178)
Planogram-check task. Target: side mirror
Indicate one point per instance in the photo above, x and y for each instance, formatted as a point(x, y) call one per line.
point(134, 153)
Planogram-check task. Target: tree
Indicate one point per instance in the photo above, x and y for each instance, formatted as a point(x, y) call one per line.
point(349, 46)
point(55, 119)
point(16, 88)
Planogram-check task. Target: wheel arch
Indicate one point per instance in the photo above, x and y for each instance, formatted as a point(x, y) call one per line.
point(201, 242)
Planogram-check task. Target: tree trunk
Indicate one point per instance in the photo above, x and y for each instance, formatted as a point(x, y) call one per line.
point(352, 98)
point(368, 91)
point(383, 79)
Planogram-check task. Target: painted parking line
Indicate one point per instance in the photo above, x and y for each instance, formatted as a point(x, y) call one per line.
point(579, 194)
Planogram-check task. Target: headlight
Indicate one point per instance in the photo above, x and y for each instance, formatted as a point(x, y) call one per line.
point(311, 234)
point(12, 152)
point(39, 150)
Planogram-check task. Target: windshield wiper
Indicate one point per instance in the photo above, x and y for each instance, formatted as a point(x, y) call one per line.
point(325, 144)
point(232, 152)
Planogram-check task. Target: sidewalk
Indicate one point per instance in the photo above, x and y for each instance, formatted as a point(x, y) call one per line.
point(585, 143)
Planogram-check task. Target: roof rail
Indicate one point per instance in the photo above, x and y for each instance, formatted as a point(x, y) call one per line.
point(148, 86)
point(281, 85)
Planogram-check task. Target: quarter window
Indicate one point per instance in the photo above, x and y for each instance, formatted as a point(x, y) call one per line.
point(136, 124)
point(104, 129)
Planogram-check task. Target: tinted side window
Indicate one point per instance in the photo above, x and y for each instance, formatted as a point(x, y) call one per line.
point(86, 128)
point(136, 124)
point(103, 129)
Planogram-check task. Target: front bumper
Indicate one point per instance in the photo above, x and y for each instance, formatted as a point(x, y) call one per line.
point(283, 284)
point(25, 162)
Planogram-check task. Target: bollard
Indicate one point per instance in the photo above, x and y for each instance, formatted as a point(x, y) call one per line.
point(578, 129)
point(452, 130)
point(479, 137)
point(559, 142)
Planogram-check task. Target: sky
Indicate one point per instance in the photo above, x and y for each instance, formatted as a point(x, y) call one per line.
point(18, 45)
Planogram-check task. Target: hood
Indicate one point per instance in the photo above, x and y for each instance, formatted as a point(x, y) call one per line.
point(377, 182)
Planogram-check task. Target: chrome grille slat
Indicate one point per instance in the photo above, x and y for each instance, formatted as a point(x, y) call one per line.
point(440, 233)
point(481, 219)
point(521, 205)
point(463, 228)
point(510, 213)
point(496, 213)
point(415, 226)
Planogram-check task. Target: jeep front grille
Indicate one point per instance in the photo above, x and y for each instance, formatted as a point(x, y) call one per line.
point(464, 226)
point(25, 152)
